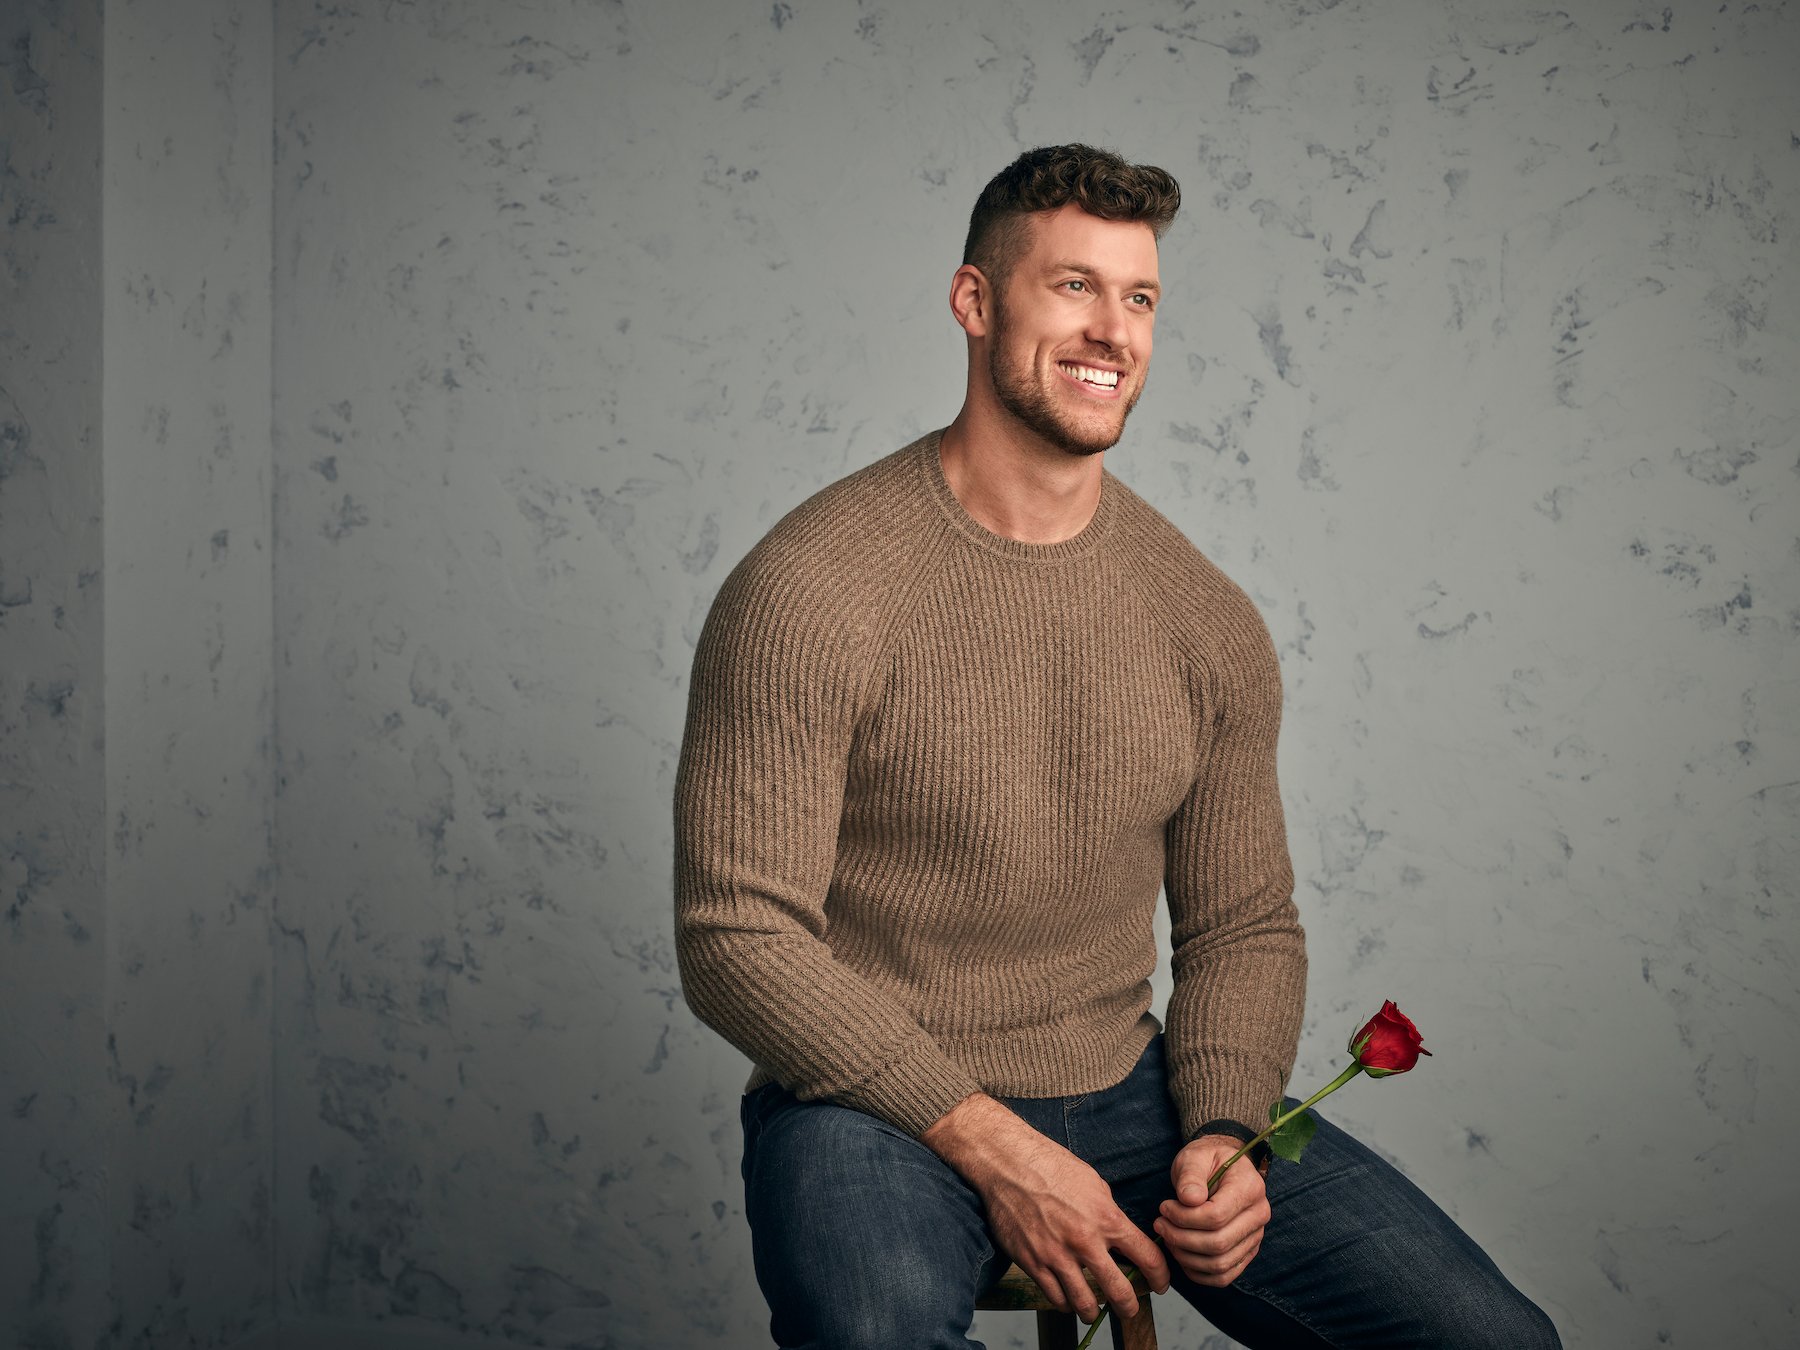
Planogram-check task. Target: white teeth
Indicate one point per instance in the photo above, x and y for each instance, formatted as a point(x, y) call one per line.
point(1106, 379)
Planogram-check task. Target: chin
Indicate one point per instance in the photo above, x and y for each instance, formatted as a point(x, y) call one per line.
point(1080, 437)
point(1090, 445)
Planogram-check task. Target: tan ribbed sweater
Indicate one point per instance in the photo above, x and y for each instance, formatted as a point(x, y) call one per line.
point(931, 782)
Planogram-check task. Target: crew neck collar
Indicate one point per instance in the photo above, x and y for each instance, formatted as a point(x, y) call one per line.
point(1078, 545)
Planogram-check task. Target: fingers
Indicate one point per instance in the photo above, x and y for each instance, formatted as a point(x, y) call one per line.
point(1247, 1254)
point(1056, 1232)
point(1198, 1231)
point(1231, 1272)
point(1207, 1257)
point(1219, 1213)
point(1115, 1287)
point(1238, 1269)
point(1141, 1250)
point(1068, 1289)
point(1210, 1251)
point(1048, 1278)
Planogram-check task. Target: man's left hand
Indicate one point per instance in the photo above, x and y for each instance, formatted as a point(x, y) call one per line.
point(1213, 1240)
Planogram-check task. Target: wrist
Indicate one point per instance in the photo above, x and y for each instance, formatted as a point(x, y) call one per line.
point(971, 1136)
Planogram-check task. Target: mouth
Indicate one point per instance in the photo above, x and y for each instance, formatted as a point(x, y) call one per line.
point(1094, 379)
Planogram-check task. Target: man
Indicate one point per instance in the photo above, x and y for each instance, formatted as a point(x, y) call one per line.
point(953, 722)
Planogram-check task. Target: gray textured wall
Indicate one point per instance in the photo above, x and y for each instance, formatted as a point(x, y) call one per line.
point(60, 1109)
point(1478, 370)
point(136, 691)
point(189, 654)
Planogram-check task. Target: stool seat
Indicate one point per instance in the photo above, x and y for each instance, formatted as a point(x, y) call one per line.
point(1018, 1292)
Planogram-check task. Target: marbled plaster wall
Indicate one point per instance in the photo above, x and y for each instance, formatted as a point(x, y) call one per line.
point(58, 1108)
point(136, 692)
point(1478, 372)
point(189, 665)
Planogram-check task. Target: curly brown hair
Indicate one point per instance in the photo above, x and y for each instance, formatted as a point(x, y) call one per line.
point(1051, 176)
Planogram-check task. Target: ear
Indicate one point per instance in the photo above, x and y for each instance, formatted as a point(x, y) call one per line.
point(972, 300)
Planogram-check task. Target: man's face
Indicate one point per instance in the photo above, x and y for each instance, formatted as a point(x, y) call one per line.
point(1069, 345)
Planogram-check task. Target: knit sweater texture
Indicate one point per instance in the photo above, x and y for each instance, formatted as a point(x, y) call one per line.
point(931, 783)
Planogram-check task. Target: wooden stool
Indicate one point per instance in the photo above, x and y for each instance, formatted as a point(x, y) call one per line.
point(1018, 1292)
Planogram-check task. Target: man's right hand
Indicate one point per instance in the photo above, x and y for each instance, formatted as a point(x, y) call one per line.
point(1051, 1212)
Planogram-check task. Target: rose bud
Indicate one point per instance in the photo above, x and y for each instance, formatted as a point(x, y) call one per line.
point(1388, 1043)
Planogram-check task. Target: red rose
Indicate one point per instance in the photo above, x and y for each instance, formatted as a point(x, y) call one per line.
point(1388, 1043)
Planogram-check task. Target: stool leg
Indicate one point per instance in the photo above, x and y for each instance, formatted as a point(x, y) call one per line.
point(1056, 1331)
point(1140, 1332)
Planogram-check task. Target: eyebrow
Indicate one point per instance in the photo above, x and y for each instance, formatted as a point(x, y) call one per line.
point(1070, 265)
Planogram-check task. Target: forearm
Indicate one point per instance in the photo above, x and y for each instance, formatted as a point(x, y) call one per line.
point(818, 1026)
point(1234, 1014)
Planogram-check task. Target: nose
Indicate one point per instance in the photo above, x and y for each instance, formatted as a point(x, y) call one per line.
point(1107, 324)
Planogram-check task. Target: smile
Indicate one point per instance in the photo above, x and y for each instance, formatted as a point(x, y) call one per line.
point(1090, 375)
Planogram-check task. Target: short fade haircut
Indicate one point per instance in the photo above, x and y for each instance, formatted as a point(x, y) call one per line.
point(1052, 176)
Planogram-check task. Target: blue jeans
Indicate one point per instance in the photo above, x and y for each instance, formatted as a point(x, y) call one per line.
point(865, 1240)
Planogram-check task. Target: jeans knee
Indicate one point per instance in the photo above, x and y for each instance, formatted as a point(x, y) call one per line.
point(1497, 1319)
point(909, 1305)
point(1534, 1330)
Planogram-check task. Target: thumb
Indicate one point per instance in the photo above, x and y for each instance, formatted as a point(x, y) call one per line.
point(1191, 1176)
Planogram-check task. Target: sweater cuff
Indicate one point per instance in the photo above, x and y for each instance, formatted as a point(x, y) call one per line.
point(1236, 1129)
point(912, 1092)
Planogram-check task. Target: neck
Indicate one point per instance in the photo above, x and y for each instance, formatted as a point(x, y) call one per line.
point(1016, 484)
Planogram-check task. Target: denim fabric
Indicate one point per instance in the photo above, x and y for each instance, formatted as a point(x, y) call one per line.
point(865, 1240)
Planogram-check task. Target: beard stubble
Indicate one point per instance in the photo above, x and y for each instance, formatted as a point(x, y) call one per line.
point(1035, 406)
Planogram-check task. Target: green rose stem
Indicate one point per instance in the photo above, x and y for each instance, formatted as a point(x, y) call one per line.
point(1212, 1184)
point(1088, 1339)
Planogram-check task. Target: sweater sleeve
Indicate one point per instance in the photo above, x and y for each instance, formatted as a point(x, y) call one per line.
point(777, 680)
point(1239, 954)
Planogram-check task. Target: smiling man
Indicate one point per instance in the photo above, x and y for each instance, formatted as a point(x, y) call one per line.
point(954, 722)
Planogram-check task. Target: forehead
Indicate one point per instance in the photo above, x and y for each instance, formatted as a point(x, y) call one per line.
point(1069, 234)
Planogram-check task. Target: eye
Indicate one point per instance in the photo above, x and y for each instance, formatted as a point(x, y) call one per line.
point(1076, 284)
point(1143, 301)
